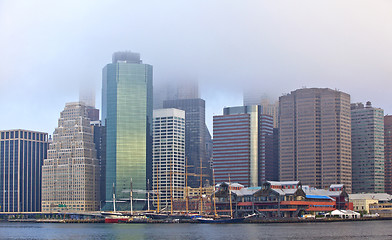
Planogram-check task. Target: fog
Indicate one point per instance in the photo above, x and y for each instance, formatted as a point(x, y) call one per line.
point(48, 49)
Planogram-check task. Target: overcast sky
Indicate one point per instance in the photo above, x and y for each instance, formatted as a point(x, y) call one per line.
point(48, 47)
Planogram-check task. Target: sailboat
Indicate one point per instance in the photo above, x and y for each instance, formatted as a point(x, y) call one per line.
point(217, 218)
point(114, 217)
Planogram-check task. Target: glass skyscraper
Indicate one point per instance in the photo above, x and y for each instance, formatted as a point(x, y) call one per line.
point(127, 115)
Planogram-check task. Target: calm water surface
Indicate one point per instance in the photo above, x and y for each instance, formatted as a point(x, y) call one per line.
point(320, 231)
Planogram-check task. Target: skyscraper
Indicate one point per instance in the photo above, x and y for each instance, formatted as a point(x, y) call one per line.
point(367, 124)
point(70, 173)
point(272, 163)
point(243, 140)
point(195, 146)
point(87, 96)
point(127, 115)
point(388, 153)
point(315, 137)
point(21, 156)
point(99, 133)
point(168, 155)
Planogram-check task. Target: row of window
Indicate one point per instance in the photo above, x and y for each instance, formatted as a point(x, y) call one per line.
point(25, 135)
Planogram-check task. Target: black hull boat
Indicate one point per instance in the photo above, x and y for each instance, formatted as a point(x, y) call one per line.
point(224, 219)
point(156, 215)
point(220, 220)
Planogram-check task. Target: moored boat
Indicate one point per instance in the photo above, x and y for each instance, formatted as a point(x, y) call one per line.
point(116, 219)
point(220, 220)
point(157, 215)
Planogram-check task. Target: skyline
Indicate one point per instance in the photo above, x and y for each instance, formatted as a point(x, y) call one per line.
point(48, 48)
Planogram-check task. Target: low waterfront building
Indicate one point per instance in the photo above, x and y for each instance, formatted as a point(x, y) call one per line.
point(281, 199)
point(345, 214)
point(362, 201)
point(362, 205)
point(382, 209)
point(195, 192)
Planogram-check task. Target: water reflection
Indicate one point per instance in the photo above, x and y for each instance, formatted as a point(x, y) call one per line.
point(319, 231)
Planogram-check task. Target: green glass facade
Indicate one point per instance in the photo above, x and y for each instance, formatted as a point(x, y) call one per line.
point(127, 115)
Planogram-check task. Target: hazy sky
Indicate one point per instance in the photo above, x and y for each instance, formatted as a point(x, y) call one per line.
point(48, 47)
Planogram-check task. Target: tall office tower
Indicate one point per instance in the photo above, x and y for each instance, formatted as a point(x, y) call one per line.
point(87, 96)
point(168, 155)
point(127, 116)
point(209, 146)
point(99, 133)
point(195, 147)
point(268, 105)
point(70, 173)
point(21, 155)
point(272, 156)
point(388, 153)
point(315, 137)
point(367, 134)
point(242, 145)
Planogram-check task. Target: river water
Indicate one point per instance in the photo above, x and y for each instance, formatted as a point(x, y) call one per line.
point(319, 231)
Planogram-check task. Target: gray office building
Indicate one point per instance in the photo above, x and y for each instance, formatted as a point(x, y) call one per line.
point(99, 134)
point(367, 124)
point(21, 157)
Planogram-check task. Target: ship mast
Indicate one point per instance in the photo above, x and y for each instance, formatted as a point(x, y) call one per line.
point(186, 186)
point(148, 194)
point(114, 199)
point(171, 188)
point(131, 197)
point(213, 178)
point(157, 188)
point(231, 208)
point(201, 186)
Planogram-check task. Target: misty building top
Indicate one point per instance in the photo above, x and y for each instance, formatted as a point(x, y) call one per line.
point(126, 56)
